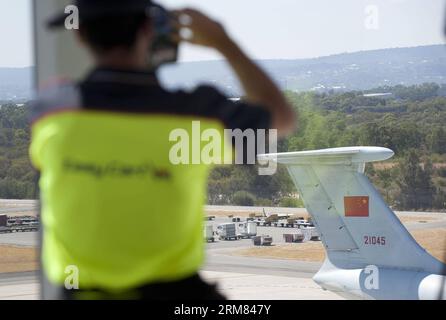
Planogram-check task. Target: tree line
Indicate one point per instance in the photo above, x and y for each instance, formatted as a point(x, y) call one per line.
point(409, 120)
point(18, 179)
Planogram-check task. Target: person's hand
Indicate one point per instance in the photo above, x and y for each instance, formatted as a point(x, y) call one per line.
point(200, 29)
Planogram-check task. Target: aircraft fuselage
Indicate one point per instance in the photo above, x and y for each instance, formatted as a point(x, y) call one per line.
point(382, 283)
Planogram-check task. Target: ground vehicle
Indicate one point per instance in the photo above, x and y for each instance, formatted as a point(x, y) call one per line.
point(263, 240)
point(18, 224)
point(293, 238)
point(3, 220)
point(271, 219)
point(22, 221)
point(208, 233)
point(247, 229)
point(310, 233)
point(227, 231)
point(303, 225)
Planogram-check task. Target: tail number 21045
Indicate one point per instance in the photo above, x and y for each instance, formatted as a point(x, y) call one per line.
point(374, 240)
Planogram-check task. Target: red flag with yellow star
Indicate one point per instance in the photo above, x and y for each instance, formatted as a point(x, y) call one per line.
point(356, 206)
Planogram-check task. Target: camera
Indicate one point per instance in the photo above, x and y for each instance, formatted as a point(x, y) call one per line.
point(163, 49)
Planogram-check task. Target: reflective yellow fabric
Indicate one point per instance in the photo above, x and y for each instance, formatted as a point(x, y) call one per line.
point(113, 205)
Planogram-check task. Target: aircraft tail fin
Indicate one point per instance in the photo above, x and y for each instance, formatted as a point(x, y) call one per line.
point(355, 224)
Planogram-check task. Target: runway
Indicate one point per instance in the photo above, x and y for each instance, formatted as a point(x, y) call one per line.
point(18, 206)
point(237, 278)
point(238, 286)
point(234, 286)
point(19, 286)
point(23, 239)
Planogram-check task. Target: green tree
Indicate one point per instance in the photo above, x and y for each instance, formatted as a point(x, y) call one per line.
point(440, 200)
point(289, 202)
point(243, 198)
point(386, 180)
point(437, 140)
point(415, 182)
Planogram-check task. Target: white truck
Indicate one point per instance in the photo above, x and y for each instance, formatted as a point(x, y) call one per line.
point(247, 229)
point(227, 231)
point(208, 233)
point(310, 233)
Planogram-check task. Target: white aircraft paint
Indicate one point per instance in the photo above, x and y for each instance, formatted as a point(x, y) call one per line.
point(325, 180)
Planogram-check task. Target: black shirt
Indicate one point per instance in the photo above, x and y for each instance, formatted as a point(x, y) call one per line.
point(140, 92)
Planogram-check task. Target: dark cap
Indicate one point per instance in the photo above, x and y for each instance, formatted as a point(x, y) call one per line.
point(92, 9)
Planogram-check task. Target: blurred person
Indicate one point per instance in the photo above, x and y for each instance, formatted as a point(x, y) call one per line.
point(118, 217)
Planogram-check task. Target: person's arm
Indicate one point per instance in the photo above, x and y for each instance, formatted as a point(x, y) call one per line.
point(258, 86)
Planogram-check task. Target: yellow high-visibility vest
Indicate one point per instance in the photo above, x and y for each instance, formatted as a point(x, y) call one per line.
point(112, 203)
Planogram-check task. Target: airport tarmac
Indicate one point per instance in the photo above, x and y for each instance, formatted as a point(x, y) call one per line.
point(242, 286)
point(234, 286)
point(22, 239)
point(238, 277)
point(12, 207)
point(19, 286)
point(30, 239)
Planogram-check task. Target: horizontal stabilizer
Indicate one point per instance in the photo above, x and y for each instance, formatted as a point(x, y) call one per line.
point(331, 156)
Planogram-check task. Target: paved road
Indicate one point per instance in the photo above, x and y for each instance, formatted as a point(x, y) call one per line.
point(233, 285)
point(23, 239)
point(238, 286)
point(19, 286)
point(218, 261)
point(18, 206)
point(7, 279)
point(440, 224)
point(5, 202)
point(11, 210)
point(239, 277)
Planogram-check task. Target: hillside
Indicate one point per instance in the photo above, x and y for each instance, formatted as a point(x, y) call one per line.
point(345, 72)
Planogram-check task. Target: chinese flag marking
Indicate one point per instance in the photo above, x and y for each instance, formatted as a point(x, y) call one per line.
point(356, 206)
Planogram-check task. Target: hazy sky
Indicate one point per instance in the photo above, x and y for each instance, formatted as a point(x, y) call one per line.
point(279, 29)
